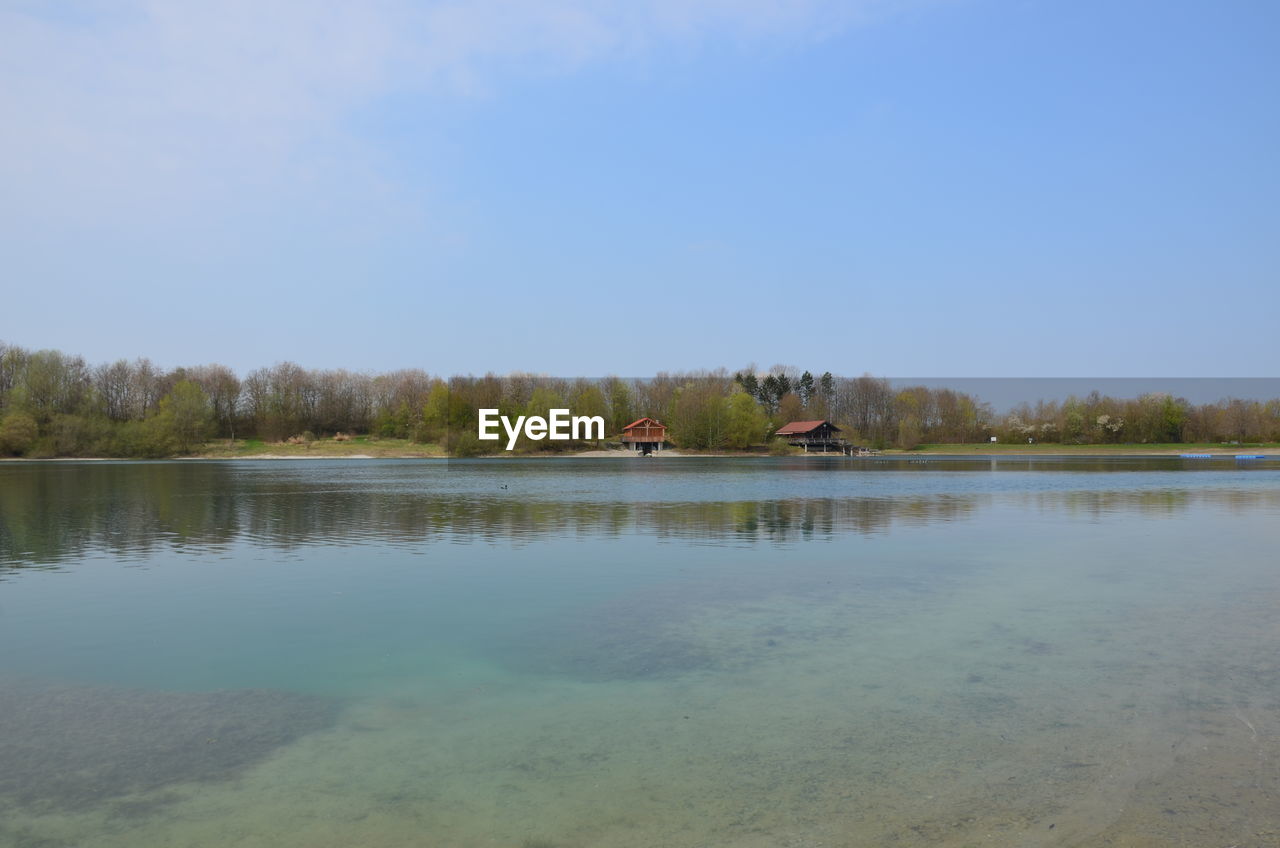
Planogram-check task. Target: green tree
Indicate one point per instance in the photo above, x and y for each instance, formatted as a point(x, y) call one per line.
point(590, 401)
point(827, 386)
point(805, 388)
point(1073, 421)
point(908, 432)
point(790, 408)
point(80, 435)
point(746, 423)
point(435, 414)
point(541, 402)
point(908, 405)
point(697, 418)
point(621, 408)
point(55, 384)
point(770, 392)
point(17, 433)
point(185, 416)
point(1172, 420)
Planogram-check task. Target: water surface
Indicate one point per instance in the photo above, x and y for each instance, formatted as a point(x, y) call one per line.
point(682, 652)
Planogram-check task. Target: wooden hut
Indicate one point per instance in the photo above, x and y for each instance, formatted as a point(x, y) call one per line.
point(813, 434)
point(646, 435)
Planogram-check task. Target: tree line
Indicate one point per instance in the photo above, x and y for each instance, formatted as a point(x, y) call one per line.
point(1150, 419)
point(55, 404)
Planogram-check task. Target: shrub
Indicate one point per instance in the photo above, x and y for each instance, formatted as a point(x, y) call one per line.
point(149, 439)
point(75, 435)
point(465, 444)
point(17, 433)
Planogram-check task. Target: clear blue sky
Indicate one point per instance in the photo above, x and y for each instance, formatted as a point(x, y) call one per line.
point(970, 188)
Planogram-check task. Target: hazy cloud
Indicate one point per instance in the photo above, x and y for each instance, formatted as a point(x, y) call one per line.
point(185, 105)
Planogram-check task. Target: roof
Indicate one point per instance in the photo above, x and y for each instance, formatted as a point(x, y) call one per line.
point(645, 421)
point(796, 428)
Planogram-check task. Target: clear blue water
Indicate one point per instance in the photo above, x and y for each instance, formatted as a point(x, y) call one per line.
point(624, 652)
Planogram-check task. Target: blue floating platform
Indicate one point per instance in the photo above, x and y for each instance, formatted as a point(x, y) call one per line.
point(1250, 456)
point(1196, 455)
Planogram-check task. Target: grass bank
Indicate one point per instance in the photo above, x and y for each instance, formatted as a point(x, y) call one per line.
point(356, 447)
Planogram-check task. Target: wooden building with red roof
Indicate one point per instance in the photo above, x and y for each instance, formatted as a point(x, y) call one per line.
point(813, 434)
point(645, 435)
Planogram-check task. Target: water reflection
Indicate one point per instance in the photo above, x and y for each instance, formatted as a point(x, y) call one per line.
point(55, 514)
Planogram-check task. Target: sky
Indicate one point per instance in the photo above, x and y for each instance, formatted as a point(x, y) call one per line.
point(964, 188)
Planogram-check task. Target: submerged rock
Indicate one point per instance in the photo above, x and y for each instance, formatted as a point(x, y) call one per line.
point(68, 747)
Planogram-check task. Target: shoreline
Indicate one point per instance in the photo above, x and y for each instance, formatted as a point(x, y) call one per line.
point(939, 452)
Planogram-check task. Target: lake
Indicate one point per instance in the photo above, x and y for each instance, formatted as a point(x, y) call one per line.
point(563, 653)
